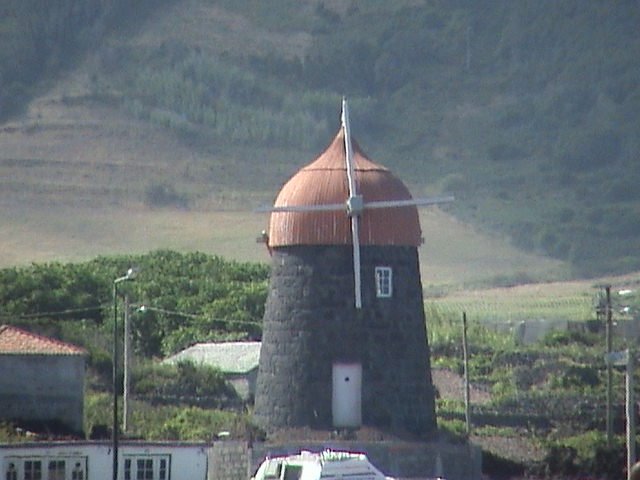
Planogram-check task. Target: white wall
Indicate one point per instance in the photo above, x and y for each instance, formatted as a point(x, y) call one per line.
point(186, 461)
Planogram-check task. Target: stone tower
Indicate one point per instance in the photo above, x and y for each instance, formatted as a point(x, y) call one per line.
point(324, 363)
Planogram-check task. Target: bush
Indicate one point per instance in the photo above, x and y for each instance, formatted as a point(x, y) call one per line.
point(196, 424)
point(560, 338)
point(586, 454)
point(183, 384)
point(164, 195)
point(576, 377)
point(101, 363)
point(561, 461)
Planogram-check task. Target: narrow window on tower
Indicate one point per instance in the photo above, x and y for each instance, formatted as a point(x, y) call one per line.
point(384, 284)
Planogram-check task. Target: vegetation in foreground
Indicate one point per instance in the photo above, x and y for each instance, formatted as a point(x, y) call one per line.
point(549, 397)
point(550, 393)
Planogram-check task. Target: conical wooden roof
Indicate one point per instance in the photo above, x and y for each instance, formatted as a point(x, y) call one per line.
point(324, 181)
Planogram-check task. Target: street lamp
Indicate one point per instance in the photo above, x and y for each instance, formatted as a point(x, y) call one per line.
point(131, 273)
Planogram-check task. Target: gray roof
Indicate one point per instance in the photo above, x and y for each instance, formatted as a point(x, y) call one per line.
point(229, 357)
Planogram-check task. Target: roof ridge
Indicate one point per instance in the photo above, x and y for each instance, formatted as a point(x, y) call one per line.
point(25, 341)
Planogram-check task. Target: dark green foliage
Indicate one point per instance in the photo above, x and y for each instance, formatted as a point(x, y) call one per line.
point(71, 291)
point(190, 297)
point(578, 376)
point(569, 337)
point(194, 296)
point(551, 392)
point(496, 466)
point(39, 37)
point(170, 422)
point(164, 195)
point(183, 384)
point(583, 455)
point(561, 460)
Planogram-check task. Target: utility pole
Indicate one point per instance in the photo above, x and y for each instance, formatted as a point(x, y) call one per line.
point(467, 400)
point(609, 368)
point(127, 365)
point(631, 413)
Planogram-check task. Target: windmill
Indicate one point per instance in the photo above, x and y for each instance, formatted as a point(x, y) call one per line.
point(355, 205)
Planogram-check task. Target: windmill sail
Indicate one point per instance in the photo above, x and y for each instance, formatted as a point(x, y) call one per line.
point(355, 204)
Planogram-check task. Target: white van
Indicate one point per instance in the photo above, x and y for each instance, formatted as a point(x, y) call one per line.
point(329, 464)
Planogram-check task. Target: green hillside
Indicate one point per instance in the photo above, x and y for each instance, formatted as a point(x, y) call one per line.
point(526, 111)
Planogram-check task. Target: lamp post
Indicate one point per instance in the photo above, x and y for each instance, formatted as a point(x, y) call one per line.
point(131, 273)
point(126, 366)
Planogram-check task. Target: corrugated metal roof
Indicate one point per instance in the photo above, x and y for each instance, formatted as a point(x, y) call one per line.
point(229, 357)
point(324, 181)
point(15, 341)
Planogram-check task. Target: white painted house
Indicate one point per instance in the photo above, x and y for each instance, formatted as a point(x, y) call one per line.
point(238, 361)
point(91, 460)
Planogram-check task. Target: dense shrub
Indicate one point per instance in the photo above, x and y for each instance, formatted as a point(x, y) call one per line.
point(194, 295)
point(585, 454)
point(184, 384)
point(163, 195)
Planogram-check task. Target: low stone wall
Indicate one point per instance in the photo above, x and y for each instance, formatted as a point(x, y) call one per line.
point(231, 460)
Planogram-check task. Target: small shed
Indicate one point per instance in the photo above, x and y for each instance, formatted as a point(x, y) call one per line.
point(238, 361)
point(41, 380)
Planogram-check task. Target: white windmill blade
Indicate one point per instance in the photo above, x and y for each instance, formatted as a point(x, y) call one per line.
point(348, 150)
point(354, 204)
point(408, 203)
point(329, 207)
point(357, 285)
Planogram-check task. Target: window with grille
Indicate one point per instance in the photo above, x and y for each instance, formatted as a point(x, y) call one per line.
point(32, 470)
point(127, 469)
point(45, 468)
point(11, 472)
point(384, 284)
point(56, 470)
point(147, 467)
point(162, 473)
point(78, 472)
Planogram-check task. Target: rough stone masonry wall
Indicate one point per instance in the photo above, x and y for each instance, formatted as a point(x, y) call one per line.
point(310, 323)
point(231, 460)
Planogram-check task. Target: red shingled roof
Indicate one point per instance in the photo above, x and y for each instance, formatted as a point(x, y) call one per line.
point(14, 340)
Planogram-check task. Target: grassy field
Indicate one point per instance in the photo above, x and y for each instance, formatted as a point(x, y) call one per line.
point(453, 254)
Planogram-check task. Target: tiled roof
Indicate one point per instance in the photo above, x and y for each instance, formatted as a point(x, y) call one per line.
point(15, 341)
point(229, 357)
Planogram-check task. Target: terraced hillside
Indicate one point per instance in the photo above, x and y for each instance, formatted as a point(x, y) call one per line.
point(193, 107)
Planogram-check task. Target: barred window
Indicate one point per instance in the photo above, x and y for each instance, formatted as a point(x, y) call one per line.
point(147, 467)
point(384, 285)
point(32, 470)
point(56, 470)
point(11, 473)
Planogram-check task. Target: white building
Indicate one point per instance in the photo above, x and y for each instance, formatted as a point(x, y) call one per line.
point(92, 460)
